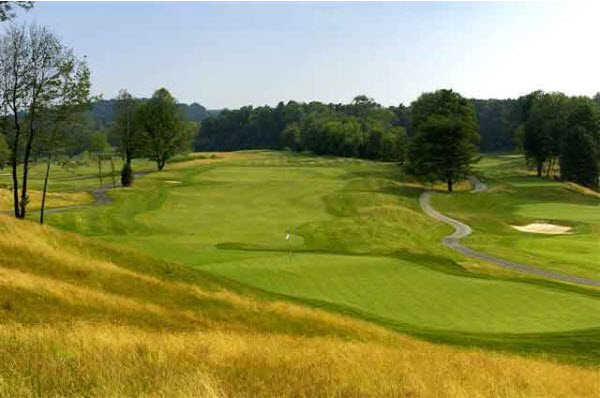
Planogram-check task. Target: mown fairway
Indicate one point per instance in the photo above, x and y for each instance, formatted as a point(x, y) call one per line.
point(359, 244)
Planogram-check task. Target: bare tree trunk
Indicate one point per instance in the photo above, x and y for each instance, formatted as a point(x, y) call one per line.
point(15, 176)
point(28, 148)
point(449, 181)
point(15, 165)
point(100, 169)
point(539, 166)
point(112, 171)
point(161, 163)
point(45, 190)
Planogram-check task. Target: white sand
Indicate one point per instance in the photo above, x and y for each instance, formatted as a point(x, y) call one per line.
point(172, 182)
point(543, 228)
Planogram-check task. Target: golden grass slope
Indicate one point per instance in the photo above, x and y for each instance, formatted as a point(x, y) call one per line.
point(81, 318)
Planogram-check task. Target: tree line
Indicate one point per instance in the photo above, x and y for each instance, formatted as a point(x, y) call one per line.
point(436, 137)
point(497, 118)
point(103, 112)
point(361, 129)
point(153, 129)
point(557, 130)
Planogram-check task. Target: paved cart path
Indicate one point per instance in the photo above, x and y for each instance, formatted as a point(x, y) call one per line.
point(461, 230)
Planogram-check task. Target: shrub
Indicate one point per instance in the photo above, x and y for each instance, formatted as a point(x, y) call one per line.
point(126, 175)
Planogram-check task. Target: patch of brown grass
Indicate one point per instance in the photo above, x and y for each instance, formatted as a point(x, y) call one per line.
point(571, 186)
point(53, 199)
point(84, 359)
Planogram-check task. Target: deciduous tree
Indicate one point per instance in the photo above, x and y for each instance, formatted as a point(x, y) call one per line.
point(545, 126)
point(37, 72)
point(126, 129)
point(445, 129)
point(7, 8)
point(162, 132)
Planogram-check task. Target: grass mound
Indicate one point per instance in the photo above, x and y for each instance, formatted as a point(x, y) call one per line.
point(82, 317)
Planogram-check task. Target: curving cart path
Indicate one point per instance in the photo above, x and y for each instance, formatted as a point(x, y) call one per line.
point(461, 230)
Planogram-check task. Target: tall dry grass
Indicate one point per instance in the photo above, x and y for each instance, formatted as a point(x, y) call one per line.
point(53, 199)
point(76, 320)
point(84, 359)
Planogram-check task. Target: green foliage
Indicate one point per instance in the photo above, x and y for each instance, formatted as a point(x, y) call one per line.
point(105, 112)
point(41, 97)
point(98, 142)
point(445, 103)
point(581, 144)
point(443, 147)
point(163, 134)
point(546, 123)
point(361, 129)
point(564, 129)
point(125, 126)
point(498, 119)
point(579, 158)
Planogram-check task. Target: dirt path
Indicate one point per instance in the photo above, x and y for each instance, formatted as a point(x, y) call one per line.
point(461, 230)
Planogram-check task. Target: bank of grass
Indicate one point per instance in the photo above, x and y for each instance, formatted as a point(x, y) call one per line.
point(359, 245)
point(82, 317)
point(516, 197)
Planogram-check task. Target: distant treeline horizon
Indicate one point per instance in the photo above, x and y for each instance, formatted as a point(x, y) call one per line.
point(498, 121)
point(498, 118)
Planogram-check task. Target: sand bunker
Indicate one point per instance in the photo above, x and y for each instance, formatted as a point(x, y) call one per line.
point(172, 182)
point(543, 228)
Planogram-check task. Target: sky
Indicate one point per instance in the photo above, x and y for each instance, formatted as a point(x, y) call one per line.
point(235, 54)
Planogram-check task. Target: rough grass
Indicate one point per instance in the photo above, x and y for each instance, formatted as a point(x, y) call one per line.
point(53, 199)
point(81, 317)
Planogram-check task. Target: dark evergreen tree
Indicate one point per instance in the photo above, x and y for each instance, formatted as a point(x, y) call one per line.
point(546, 124)
point(579, 158)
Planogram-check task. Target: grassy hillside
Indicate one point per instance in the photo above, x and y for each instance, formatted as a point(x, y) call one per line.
point(359, 245)
point(82, 317)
